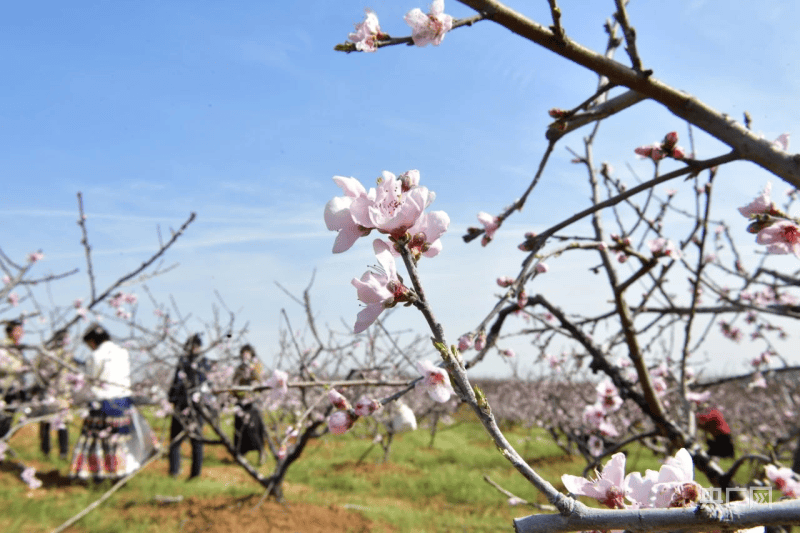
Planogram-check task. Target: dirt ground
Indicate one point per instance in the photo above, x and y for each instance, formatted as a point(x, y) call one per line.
point(250, 515)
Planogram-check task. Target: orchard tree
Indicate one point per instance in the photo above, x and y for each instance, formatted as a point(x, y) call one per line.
point(641, 241)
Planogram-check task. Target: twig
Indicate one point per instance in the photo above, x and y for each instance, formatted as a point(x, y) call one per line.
point(558, 30)
point(630, 35)
point(394, 41)
point(541, 507)
point(86, 246)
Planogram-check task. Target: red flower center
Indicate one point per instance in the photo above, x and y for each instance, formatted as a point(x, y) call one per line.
point(791, 234)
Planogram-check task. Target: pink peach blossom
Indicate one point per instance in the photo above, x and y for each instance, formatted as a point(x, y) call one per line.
point(782, 142)
point(435, 381)
point(610, 487)
point(29, 477)
point(781, 238)
point(430, 28)
point(761, 205)
point(662, 246)
point(279, 381)
point(675, 486)
point(698, 397)
point(379, 290)
point(390, 208)
point(426, 233)
point(490, 224)
point(367, 33)
point(784, 478)
point(338, 215)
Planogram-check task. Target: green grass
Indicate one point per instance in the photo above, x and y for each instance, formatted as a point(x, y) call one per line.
point(419, 489)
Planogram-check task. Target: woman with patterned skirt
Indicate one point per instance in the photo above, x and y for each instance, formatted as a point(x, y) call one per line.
point(113, 441)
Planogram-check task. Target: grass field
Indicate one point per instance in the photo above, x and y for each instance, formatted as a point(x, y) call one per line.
point(328, 489)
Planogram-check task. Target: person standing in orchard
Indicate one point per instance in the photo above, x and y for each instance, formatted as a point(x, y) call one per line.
point(48, 370)
point(12, 368)
point(719, 439)
point(103, 449)
point(248, 427)
point(184, 394)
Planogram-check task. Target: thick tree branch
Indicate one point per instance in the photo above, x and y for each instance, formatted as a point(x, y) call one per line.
point(743, 141)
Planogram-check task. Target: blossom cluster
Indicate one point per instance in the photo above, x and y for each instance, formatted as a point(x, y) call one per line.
point(426, 29)
point(596, 415)
point(785, 479)
point(666, 148)
point(672, 486)
point(119, 300)
point(396, 208)
point(342, 420)
point(772, 227)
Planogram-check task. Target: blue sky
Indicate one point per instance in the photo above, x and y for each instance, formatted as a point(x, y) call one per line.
point(242, 112)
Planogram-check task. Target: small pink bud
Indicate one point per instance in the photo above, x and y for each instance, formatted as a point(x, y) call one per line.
point(465, 342)
point(522, 299)
point(505, 281)
point(542, 268)
point(480, 342)
point(338, 401)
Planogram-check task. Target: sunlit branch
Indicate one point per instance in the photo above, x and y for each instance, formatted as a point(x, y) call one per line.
point(312, 384)
point(743, 141)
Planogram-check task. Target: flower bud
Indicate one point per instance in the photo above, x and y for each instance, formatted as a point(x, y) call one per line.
point(366, 406)
point(505, 281)
point(465, 342)
point(409, 180)
point(670, 140)
point(338, 401)
point(480, 342)
point(340, 422)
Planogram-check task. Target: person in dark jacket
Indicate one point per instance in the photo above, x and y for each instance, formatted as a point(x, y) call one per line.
point(48, 370)
point(184, 393)
point(720, 443)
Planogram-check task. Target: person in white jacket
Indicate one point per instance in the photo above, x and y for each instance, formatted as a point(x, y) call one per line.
point(107, 446)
